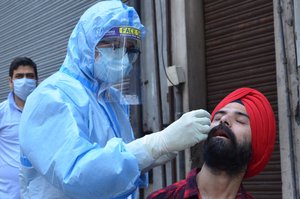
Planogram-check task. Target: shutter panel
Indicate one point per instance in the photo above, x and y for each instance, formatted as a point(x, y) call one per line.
point(240, 52)
point(39, 30)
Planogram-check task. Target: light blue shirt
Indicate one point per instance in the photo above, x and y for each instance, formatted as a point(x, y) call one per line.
point(10, 116)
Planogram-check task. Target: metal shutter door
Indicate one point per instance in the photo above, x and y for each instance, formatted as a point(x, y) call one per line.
point(39, 30)
point(240, 52)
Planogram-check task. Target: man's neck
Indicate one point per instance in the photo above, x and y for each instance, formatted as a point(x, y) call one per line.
point(19, 102)
point(217, 184)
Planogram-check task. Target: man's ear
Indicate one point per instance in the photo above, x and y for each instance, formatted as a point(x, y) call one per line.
point(10, 81)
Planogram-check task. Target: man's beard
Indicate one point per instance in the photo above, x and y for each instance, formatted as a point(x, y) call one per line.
point(221, 154)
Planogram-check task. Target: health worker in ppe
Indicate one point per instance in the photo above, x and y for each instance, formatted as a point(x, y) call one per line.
point(75, 134)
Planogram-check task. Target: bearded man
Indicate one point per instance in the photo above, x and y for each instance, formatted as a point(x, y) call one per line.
point(239, 145)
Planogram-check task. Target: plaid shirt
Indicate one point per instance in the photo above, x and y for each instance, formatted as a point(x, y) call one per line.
point(187, 189)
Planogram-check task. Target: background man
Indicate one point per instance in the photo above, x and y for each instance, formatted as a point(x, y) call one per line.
point(22, 81)
point(238, 146)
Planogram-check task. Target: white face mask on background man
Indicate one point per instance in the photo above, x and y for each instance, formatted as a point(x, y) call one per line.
point(23, 87)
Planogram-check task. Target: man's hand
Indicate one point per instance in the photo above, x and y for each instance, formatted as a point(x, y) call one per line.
point(191, 128)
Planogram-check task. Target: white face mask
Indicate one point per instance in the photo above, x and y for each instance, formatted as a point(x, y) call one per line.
point(112, 65)
point(23, 87)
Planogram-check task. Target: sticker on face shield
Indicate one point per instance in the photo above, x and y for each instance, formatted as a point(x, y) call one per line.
point(124, 31)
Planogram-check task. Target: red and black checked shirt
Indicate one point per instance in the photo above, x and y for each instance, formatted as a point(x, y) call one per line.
point(187, 189)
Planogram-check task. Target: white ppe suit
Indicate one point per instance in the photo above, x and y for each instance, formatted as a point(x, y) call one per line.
point(76, 145)
point(73, 143)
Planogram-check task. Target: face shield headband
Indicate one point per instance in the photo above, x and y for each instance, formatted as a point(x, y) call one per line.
point(116, 55)
point(127, 38)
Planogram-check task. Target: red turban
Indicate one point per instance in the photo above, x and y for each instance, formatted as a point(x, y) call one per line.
point(263, 126)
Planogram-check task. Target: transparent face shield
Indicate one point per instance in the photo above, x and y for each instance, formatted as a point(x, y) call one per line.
point(115, 65)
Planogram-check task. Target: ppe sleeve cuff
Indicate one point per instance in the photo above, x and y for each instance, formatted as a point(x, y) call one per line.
point(142, 155)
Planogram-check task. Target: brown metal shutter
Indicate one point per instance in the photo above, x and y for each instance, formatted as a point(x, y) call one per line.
point(240, 52)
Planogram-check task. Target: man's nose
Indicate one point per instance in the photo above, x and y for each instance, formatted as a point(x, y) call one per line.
point(225, 120)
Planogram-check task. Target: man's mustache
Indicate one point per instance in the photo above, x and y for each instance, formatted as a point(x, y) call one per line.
point(221, 130)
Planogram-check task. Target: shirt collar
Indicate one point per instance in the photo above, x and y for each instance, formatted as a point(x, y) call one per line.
point(191, 184)
point(12, 102)
point(192, 190)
